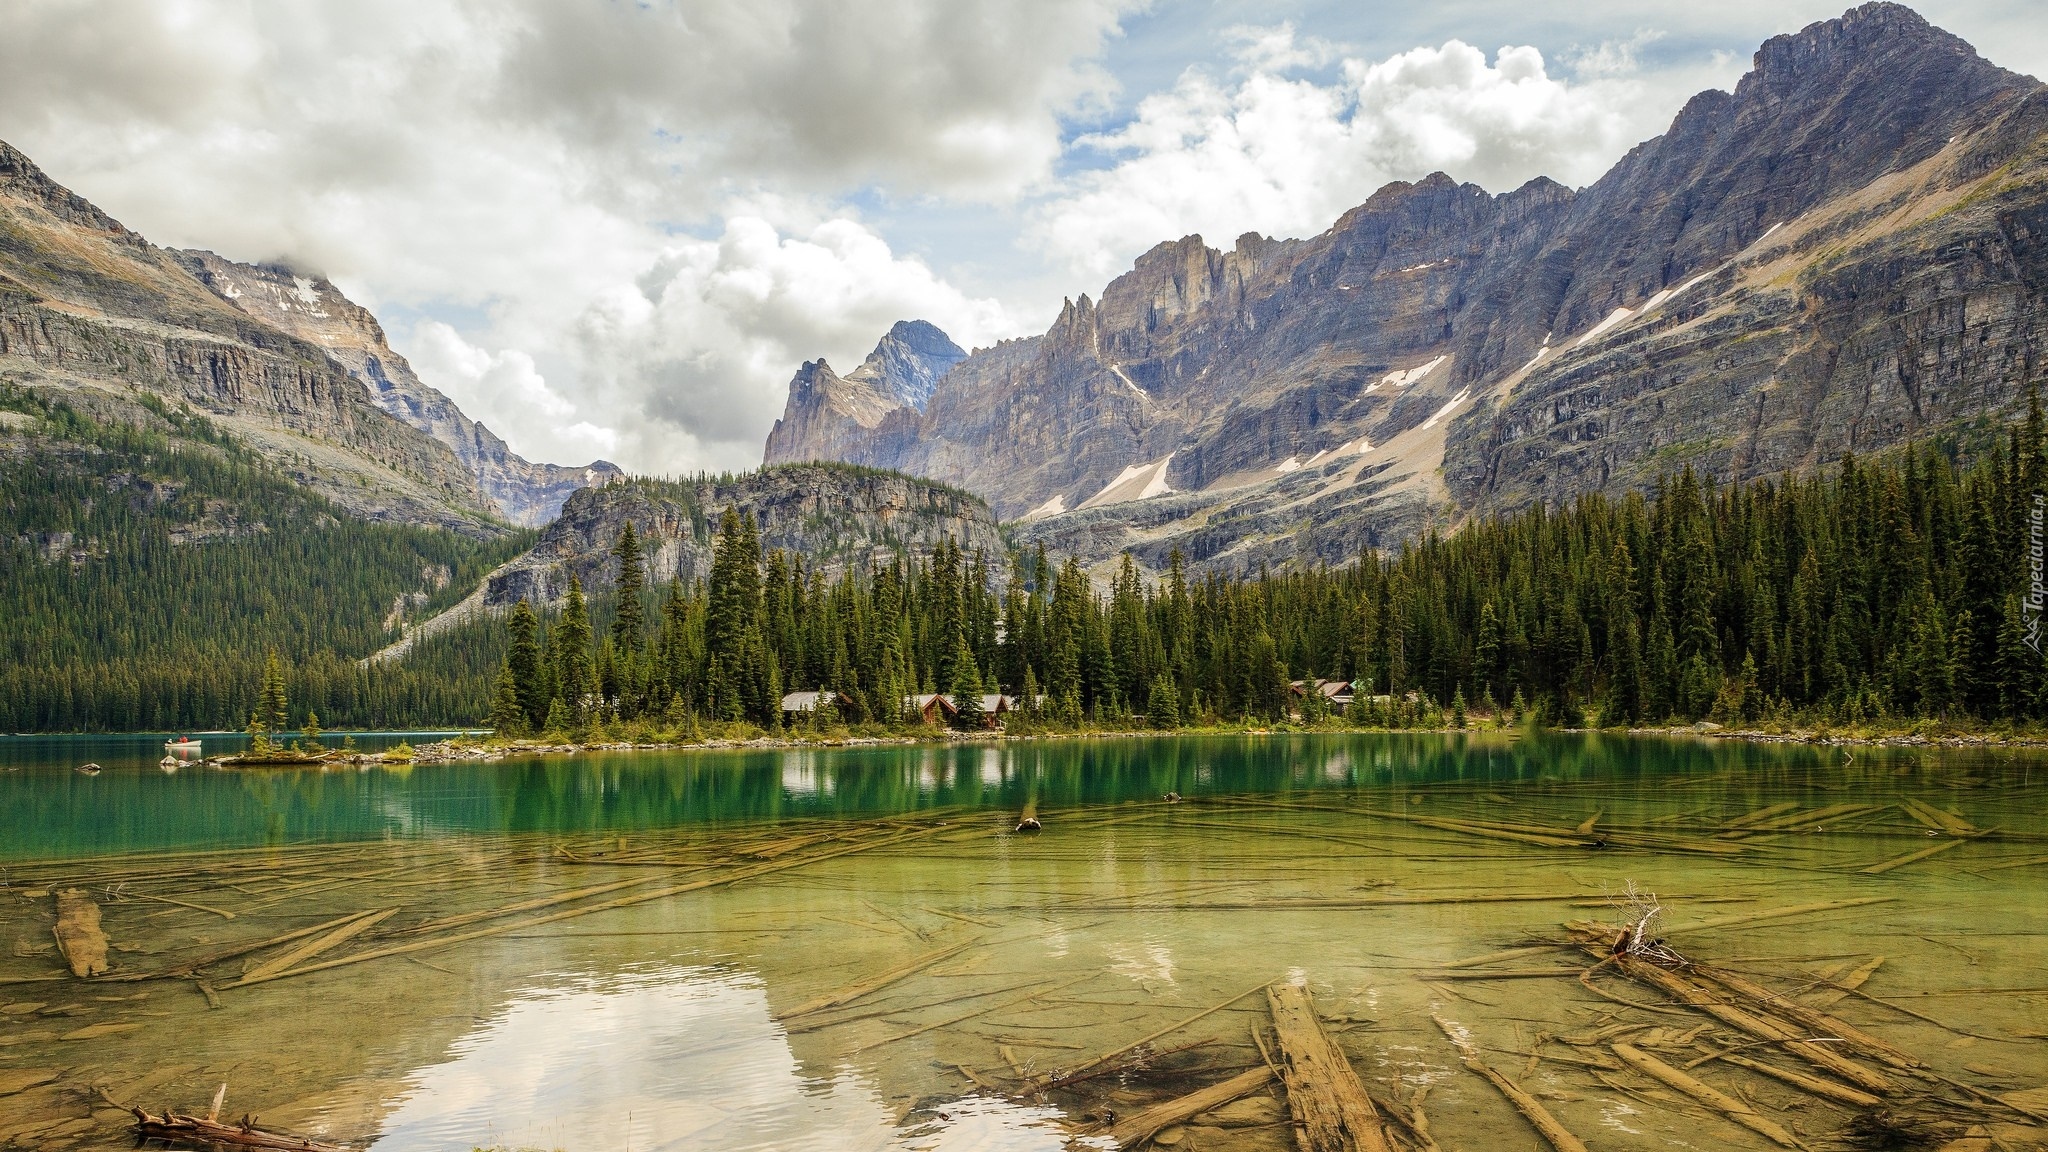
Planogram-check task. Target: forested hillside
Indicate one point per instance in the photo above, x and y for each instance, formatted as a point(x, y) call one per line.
point(147, 570)
point(1878, 589)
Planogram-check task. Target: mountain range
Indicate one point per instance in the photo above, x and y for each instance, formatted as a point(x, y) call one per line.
point(93, 312)
point(1846, 253)
point(201, 458)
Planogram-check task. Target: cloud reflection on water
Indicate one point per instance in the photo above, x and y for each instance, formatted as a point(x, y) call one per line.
point(676, 1058)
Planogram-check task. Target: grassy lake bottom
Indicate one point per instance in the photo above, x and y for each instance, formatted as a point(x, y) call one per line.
point(856, 949)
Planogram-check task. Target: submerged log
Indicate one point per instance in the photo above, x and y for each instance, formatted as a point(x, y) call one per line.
point(78, 934)
point(1813, 1084)
point(1820, 1022)
point(1332, 1112)
point(319, 944)
point(175, 1128)
point(1707, 1094)
point(1757, 1026)
point(1073, 1074)
point(1134, 1130)
point(1531, 1109)
point(879, 982)
point(1958, 841)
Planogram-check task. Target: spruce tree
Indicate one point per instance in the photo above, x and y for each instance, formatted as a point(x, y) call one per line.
point(507, 718)
point(1486, 650)
point(523, 661)
point(575, 667)
point(274, 709)
point(966, 687)
point(1162, 704)
point(559, 719)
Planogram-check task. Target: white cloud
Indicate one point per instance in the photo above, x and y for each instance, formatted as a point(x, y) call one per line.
point(515, 169)
point(693, 358)
point(625, 224)
point(1282, 155)
point(506, 391)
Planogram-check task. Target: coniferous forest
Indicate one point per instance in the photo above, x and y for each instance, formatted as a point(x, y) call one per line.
point(145, 576)
point(1882, 590)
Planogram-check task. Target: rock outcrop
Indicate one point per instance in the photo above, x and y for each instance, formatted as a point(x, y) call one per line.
point(313, 309)
point(95, 315)
point(833, 417)
point(909, 361)
point(832, 515)
point(1845, 252)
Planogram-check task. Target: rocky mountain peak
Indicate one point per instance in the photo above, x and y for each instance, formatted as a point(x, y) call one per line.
point(22, 177)
point(908, 361)
point(1443, 347)
point(1827, 47)
point(312, 308)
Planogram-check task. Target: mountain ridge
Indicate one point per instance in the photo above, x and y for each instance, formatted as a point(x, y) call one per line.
point(1303, 398)
point(526, 493)
point(95, 315)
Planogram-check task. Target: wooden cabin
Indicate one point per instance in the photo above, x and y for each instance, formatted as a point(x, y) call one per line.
point(801, 705)
point(932, 708)
point(1337, 694)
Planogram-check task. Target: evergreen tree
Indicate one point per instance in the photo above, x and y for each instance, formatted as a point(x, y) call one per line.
point(507, 717)
point(575, 667)
point(1162, 703)
point(523, 661)
point(559, 720)
point(966, 688)
point(275, 709)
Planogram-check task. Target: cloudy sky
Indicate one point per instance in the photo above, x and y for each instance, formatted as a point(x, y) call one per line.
point(615, 227)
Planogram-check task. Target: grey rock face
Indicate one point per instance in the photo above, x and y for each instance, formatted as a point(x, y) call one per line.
point(313, 309)
point(1844, 252)
point(833, 417)
point(94, 314)
point(827, 416)
point(833, 516)
point(908, 362)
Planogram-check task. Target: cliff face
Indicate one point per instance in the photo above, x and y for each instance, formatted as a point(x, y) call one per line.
point(909, 361)
point(833, 417)
point(95, 315)
point(312, 309)
point(1843, 253)
point(833, 516)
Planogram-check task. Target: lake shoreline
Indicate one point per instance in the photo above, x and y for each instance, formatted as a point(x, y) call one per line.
point(454, 750)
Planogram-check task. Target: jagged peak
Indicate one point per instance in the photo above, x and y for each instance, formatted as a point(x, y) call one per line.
point(24, 176)
point(1826, 45)
point(812, 373)
point(908, 361)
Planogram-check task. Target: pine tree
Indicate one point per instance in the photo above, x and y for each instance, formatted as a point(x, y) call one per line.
point(966, 688)
point(629, 627)
point(274, 710)
point(523, 662)
point(507, 718)
point(1162, 704)
point(559, 720)
point(575, 668)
